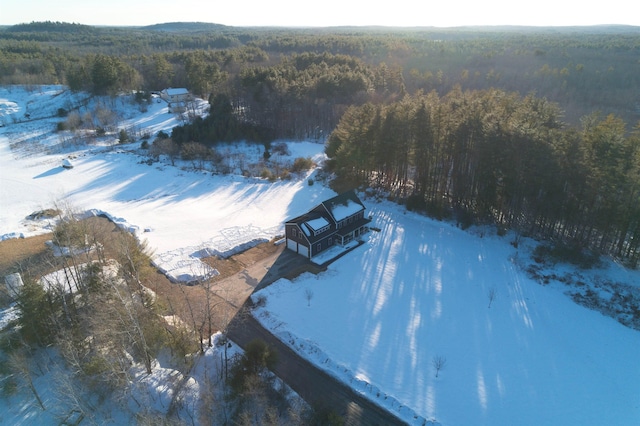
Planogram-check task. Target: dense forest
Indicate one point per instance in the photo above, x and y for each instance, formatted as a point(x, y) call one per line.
point(293, 77)
point(530, 128)
point(496, 157)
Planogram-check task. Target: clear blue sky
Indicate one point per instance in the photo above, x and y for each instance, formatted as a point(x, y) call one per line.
point(442, 13)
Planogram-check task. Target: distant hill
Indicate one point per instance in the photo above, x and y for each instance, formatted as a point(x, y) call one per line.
point(52, 27)
point(588, 29)
point(185, 27)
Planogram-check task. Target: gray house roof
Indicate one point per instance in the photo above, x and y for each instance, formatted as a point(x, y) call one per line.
point(323, 219)
point(344, 205)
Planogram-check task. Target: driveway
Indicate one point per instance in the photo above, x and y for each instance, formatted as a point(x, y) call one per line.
point(315, 386)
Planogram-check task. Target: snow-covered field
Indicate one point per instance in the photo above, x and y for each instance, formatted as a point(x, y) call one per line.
point(419, 289)
point(183, 212)
point(379, 316)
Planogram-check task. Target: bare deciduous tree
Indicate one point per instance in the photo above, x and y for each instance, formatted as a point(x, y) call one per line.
point(491, 295)
point(165, 146)
point(438, 362)
point(308, 294)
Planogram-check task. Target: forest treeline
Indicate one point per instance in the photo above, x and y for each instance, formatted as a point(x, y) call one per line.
point(497, 157)
point(582, 69)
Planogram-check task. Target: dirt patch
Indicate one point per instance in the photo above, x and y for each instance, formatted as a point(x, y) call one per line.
point(240, 261)
point(21, 253)
point(28, 256)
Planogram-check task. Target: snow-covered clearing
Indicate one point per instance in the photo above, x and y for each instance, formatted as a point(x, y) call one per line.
point(377, 318)
point(419, 289)
point(181, 213)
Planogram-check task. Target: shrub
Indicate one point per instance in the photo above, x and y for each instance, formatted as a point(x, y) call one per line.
point(44, 214)
point(245, 369)
point(69, 233)
point(95, 366)
point(300, 164)
point(123, 136)
point(73, 121)
point(267, 174)
point(566, 253)
point(259, 356)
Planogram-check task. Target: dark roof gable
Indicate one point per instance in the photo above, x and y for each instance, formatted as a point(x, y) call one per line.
point(343, 205)
point(332, 210)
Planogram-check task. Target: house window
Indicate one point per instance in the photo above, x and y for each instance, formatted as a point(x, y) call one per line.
point(321, 230)
point(293, 232)
point(330, 241)
point(318, 248)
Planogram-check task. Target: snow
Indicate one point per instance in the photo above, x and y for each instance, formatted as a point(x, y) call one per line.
point(185, 211)
point(317, 223)
point(378, 316)
point(14, 284)
point(7, 315)
point(62, 281)
point(176, 91)
point(419, 289)
point(342, 211)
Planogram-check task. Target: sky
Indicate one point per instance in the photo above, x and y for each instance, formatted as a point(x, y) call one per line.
point(325, 13)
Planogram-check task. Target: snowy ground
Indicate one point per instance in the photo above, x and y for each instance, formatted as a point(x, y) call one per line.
point(377, 318)
point(181, 213)
point(419, 289)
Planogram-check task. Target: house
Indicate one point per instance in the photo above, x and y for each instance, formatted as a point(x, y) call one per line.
point(175, 95)
point(177, 99)
point(336, 221)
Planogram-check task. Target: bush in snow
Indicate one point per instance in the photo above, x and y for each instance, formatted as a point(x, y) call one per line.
point(301, 164)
